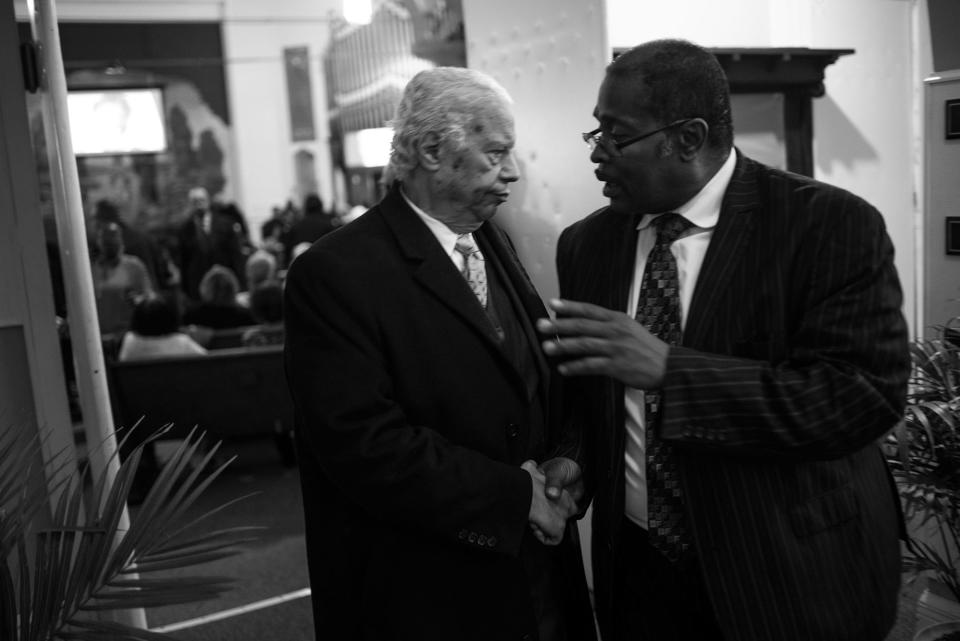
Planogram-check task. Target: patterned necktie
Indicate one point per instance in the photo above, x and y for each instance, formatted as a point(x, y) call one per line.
point(658, 309)
point(474, 269)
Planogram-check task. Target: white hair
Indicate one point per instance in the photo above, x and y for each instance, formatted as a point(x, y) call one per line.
point(442, 101)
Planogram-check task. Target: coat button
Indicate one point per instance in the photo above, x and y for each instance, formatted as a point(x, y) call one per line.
point(472, 538)
point(491, 541)
point(462, 534)
point(513, 430)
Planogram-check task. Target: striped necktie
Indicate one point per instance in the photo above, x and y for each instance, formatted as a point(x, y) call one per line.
point(473, 269)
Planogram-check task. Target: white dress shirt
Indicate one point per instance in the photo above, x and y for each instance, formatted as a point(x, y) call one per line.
point(445, 236)
point(689, 249)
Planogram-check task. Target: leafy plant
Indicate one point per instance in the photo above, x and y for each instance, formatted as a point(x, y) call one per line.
point(924, 455)
point(55, 580)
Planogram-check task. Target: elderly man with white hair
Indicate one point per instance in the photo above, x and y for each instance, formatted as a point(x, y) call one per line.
point(422, 398)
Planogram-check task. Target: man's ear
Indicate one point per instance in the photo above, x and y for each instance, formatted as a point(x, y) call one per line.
point(692, 137)
point(428, 151)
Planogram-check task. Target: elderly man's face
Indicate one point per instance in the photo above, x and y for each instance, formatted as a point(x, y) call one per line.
point(475, 179)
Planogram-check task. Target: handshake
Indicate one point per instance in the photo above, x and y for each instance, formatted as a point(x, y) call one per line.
point(557, 490)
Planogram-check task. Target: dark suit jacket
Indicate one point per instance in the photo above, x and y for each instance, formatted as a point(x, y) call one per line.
point(412, 424)
point(198, 252)
point(793, 363)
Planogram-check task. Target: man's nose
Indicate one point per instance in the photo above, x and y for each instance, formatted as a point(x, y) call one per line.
point(599, 154)
point(509, 170)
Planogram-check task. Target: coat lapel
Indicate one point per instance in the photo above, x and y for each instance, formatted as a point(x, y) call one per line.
point(501, 256)
point(740, 204)
point(433, 269)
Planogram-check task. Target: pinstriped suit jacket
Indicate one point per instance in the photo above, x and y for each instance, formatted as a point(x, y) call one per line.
point(793, 363)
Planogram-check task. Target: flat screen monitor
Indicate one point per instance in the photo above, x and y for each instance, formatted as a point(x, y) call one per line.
point(116, 121)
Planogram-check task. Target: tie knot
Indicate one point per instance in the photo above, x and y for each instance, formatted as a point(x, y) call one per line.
point(465, 244)
point(670, 226)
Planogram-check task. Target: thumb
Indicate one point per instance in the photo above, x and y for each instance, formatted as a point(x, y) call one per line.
point(558, 472)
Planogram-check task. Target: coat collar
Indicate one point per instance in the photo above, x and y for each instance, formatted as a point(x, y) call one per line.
point(433, 269)
point(741, 202)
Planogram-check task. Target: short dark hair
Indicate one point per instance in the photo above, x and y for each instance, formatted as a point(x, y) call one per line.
point(681, 80)
point(155, 316)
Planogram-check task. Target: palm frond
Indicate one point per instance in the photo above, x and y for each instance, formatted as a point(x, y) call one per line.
point(84, 563)
point(924, 453)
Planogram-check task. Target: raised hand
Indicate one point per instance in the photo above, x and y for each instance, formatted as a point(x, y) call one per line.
point(594, 340)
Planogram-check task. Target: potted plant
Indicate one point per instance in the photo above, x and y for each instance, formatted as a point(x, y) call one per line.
point(54, 581)
point(924, 455)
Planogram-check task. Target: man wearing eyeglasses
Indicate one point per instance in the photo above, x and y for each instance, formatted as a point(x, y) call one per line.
point(733, 347)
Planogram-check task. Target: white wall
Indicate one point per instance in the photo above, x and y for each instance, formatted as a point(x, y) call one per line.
point(254, 36)
point(32, 388)
point(865, 137)
point(550, 55)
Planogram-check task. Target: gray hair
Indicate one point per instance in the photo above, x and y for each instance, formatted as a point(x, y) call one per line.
point(443, 101)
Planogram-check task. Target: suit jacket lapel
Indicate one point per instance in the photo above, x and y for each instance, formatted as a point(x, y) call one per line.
point(740, 204)
point(433, 269)
point(494, 245)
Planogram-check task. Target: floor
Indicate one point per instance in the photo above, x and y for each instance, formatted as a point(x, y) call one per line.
point(270, 599)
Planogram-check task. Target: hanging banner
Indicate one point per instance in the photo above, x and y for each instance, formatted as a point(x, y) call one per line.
point(296, 62)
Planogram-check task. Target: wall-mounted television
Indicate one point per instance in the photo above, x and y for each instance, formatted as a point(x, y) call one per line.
point(117, 121)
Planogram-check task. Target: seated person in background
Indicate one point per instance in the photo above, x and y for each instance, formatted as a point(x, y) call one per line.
point(261, 267)
point(218, 308)
point(155, 332)
point(119, 280)
point(266, 303)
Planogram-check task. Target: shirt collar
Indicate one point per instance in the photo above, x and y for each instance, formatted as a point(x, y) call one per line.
point(703, 210)
point(444, 235)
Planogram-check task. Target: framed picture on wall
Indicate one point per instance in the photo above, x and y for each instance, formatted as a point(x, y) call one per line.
point(953, 119)
point(953, 235)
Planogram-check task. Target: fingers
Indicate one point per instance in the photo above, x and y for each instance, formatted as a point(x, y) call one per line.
point(559, 473)
point(592, 366)
point(565, 307)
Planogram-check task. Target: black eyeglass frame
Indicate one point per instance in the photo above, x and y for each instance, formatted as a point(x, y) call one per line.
point(597, 137)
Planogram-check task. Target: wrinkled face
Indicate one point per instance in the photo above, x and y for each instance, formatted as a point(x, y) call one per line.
point(641, 177)
point(474, 180)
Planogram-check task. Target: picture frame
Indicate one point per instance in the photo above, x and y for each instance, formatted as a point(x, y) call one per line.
point(952, 119)
point(953, 235)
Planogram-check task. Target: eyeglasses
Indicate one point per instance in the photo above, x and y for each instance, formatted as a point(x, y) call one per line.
point(615, 147)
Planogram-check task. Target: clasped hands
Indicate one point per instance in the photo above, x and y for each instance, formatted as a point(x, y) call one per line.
point(557, 490)
point(587, 340)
